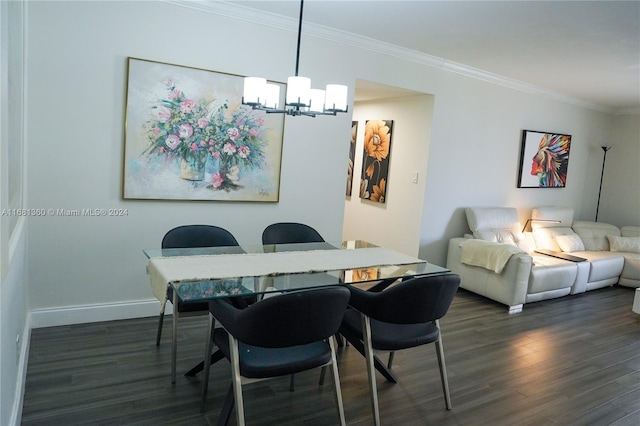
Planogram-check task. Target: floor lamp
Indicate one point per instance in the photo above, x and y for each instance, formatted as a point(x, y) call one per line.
point(605, 149)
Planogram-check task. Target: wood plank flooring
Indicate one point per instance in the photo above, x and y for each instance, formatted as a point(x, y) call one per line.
point(568, 361)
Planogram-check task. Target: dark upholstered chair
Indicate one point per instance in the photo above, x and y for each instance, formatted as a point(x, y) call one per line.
point(275, 337)
point(192, 236)
point(403, 316)
point(290, 233)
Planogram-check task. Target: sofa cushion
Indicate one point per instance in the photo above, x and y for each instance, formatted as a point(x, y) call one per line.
point(549, 273)
point(498, 225)
point(630, 275)
point(570, 243)
point(594, 234)
point(604, 264)
point(630, 231)
point(624, 244)
point(545, 238)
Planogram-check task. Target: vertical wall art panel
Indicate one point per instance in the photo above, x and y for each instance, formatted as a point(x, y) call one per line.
point(375, 160)
point(544, 160)
point(352, 156)
point(188, 137)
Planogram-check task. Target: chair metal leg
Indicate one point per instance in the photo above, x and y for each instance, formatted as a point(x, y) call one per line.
point(227, 408)
point(160, 321)
point(174, 343)
point(371, 371)
point(237, 380)
point(443, 369)
point(292, 383)
point(207, 359)
point(323, 372)
point(382, 369)
point(390, 362)
point(336, 381)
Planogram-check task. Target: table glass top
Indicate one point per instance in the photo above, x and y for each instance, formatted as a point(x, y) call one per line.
point(202, 290)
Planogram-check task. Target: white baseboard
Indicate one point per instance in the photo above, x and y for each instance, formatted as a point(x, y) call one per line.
point(21, 377)
point(66, 315)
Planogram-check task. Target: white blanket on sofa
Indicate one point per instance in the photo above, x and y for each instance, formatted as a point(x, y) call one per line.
point(488, 255)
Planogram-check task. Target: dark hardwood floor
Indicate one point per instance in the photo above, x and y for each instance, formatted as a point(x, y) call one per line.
point(568, 361)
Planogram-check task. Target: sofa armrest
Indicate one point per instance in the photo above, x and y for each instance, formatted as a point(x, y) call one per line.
point(509, 287)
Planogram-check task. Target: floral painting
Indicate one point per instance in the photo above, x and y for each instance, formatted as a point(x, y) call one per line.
point(352, 156)
point(375, 160)
point(188, 137)
point(544, 160)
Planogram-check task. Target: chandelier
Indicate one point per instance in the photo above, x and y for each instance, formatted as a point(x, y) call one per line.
point(300, 98)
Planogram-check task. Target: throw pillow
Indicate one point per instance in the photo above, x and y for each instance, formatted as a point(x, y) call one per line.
point(570, 243)
point(625, 244)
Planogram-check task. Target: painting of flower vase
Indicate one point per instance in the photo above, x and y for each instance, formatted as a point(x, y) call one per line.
point(188, 137)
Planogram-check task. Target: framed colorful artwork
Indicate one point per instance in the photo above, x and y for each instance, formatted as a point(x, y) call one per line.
point(188, 137)
point(352, 156)
point(544, 160)
point(375, 160)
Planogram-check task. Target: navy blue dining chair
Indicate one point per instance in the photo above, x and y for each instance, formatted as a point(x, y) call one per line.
point(403, 316)
point(277, 336)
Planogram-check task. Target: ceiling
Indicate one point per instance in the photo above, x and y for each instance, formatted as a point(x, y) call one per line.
point(586, 50)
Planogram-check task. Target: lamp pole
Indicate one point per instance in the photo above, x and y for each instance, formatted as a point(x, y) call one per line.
point(604, 159)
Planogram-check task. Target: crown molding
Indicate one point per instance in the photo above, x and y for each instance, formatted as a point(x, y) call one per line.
point(243, 13)
point(628, 111)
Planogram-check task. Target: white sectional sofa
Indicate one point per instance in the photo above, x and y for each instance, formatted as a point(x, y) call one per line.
point(527, 276)
point(613, 258)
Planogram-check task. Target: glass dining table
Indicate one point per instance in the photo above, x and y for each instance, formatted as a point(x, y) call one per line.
point(253, 271)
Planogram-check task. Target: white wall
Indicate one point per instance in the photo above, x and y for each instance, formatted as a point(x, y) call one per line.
point(474, 157)
point(14, 332)
point(620, 199)
point(77, 63)
point(76, 109)
point(395, 223)
point(14, 315)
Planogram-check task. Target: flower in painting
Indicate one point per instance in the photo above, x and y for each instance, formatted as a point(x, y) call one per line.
point(229, 148)
point(377, 139)
point(360, 275)
point(164, 115)
point(174, 94)
point(364, 183)
point(369, 170)
point(187, 106)
point(230, 142)
point(217, 180)
point(185, 131)
point(375, 161)
point(244, 151)
point(234, 133)
point(172, 141)
point(378, 192)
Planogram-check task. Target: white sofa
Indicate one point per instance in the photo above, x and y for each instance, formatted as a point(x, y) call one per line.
point(605, 247)
point(528, 276)
point(525, 278)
